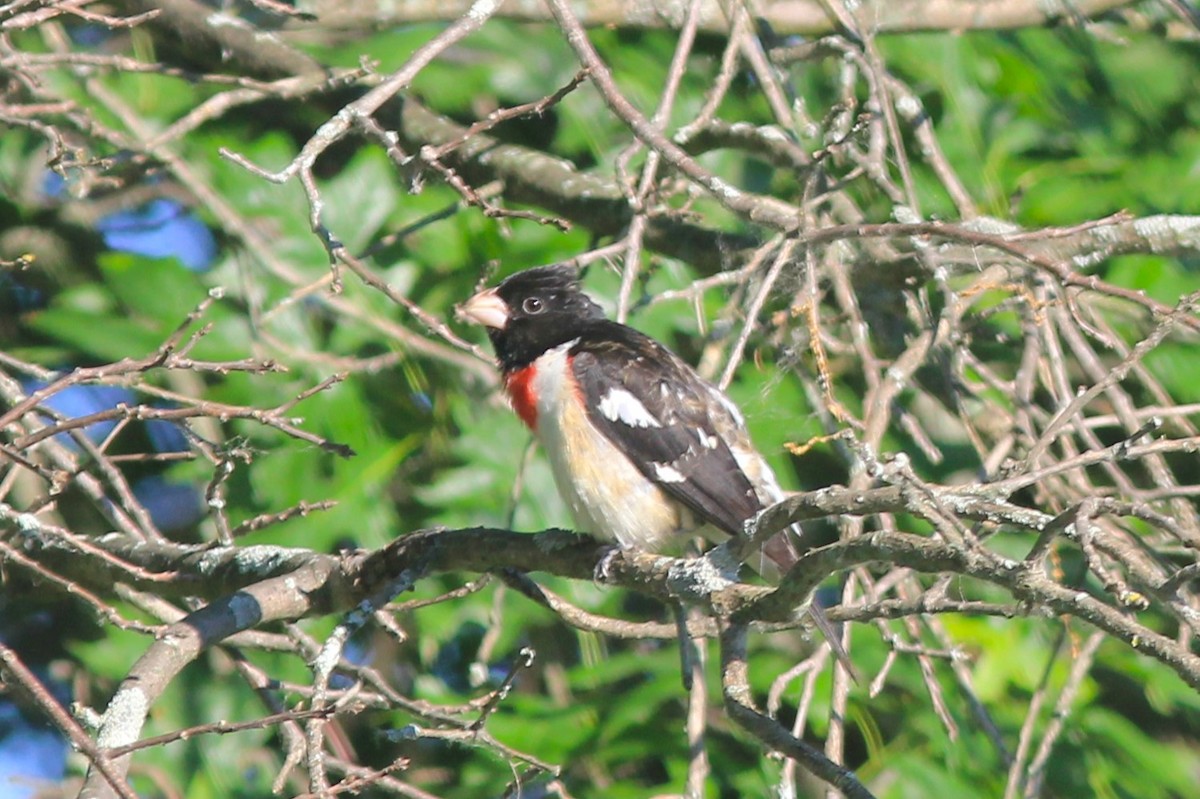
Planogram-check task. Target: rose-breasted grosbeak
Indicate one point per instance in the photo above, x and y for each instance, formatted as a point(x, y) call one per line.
point(642, 448)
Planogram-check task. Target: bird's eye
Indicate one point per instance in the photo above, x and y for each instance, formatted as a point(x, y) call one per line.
point(533, 305)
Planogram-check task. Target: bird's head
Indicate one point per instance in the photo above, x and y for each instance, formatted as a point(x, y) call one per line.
point(531, 312)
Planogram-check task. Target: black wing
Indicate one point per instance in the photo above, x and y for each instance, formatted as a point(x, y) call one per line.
point(667, 420)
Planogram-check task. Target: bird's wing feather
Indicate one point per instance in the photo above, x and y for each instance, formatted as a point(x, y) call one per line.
point(670, 423)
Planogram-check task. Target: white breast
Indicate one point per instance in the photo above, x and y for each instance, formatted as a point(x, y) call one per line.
point(606, 493)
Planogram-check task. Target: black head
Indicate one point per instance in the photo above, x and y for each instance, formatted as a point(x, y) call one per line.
point(531, 312)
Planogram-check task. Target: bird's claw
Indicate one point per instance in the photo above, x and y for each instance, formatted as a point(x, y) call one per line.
point(603, 571)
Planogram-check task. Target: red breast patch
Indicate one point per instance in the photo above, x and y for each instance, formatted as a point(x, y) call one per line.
point(519, 385)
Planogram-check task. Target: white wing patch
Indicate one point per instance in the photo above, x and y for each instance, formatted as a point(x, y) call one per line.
point(618, 405)
point(668, 474)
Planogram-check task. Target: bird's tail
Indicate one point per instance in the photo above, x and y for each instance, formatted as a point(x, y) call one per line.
point(782, 553)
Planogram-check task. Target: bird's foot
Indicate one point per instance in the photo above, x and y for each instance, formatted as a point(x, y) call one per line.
point(603, 571)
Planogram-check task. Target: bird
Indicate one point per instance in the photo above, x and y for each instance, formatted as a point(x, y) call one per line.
point(644, 451)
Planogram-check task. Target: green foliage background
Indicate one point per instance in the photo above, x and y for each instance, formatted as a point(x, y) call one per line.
point(1045, 127)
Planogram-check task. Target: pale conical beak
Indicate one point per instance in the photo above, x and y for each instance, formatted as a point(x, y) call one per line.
point(485, 308)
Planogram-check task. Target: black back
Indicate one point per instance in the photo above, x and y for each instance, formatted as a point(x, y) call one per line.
point(692, 439)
